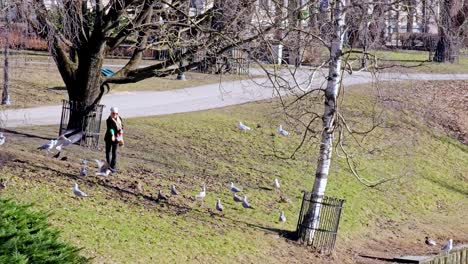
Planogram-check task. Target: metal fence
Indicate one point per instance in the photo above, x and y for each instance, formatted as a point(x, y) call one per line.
point(88, 121)
point(324, 234)
point(234, 61)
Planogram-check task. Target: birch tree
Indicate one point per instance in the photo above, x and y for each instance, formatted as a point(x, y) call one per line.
point(329, 116)
point(301, 86)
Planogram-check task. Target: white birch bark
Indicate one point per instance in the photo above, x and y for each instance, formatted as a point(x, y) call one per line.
point(312, 218)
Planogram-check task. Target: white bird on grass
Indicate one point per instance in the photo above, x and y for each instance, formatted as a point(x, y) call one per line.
point(84, 171)
point(174, 190)
point(234, 189)
point(219, 206)
point(243, 127)
point(103, 168)
point(448, 246)
point(78, 192)
point(201, 194)
point(245, 203)
point(236, 198)
point(282, 217)
point(161, 196)
point(2, 139)
point(63, 141)
point(430, 242)
point(282, 132)
point(277, 184)
point(49, 145)
point(3, 184)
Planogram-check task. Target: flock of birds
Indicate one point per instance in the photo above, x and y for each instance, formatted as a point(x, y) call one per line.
point(104, 170)
point(446, 248)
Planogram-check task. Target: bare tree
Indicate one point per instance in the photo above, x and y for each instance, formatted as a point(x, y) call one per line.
point(453, 26)
point(300, 91)
point(82, 32)
point(7, 14)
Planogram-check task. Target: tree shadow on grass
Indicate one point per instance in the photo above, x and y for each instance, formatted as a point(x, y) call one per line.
point(451, 187)
point(57, 88)
point(28, 135)
point(104, 182)
point(287, 234)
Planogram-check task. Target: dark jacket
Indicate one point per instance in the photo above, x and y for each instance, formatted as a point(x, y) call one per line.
point(111, 125)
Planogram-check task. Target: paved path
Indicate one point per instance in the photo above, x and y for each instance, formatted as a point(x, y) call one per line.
point(150, 103)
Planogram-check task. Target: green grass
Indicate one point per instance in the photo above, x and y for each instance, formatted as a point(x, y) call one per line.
point(29, 87)
point(412, 61)
point(429, 172)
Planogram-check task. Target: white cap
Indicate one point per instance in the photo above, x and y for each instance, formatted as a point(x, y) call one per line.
point(114, 109)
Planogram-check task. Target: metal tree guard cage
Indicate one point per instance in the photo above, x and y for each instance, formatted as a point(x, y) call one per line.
point(90, 123)
point(325, 232)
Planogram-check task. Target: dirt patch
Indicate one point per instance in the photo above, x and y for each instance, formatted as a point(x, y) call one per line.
point(442, 104)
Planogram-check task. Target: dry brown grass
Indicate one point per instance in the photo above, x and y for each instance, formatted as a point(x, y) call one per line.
point(41, 84)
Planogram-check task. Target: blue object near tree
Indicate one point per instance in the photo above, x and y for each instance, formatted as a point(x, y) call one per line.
point(107, 72)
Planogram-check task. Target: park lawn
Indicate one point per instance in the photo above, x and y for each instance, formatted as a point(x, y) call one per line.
point(411, 61)
point(120, 224)
point(41, 84)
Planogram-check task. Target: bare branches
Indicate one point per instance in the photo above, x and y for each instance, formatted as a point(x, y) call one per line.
point(352, 167)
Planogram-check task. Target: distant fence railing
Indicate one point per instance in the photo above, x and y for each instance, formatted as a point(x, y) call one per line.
point(234, 61)
point(325, 232)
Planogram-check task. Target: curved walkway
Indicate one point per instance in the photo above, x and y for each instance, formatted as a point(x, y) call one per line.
point(150, 103)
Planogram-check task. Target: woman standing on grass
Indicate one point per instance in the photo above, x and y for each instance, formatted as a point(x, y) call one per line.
point(113, 137)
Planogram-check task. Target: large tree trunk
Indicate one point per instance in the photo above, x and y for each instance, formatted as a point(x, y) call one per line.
point(6, 74)
point(447, 49)
point(452, 18)
point(312, 218)
point(6, 68)
point(85, 86)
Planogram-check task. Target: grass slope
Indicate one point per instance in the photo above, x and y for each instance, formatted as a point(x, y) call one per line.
point(121, 224)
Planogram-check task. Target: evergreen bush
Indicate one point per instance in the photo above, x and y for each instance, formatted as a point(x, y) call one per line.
point(26, 237)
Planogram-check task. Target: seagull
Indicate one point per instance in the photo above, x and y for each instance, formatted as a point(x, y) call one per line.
point(282, 132)
point(103, 168)
point(161, 196)
point(430, 242)
point(202, 194)
point(282, 217)
point(284, 199)
point(236, 198)
point(83, 171)
point(219, 206)
point(3, 184)
point(48, 146)
point(2, 139)
point(234, 188)
point(63, 141)
point(243, 127)
point(246, 204)
point(174, 190)
point(139, 186)
point(277, 184)
point(78, 192)
point(447, 247)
